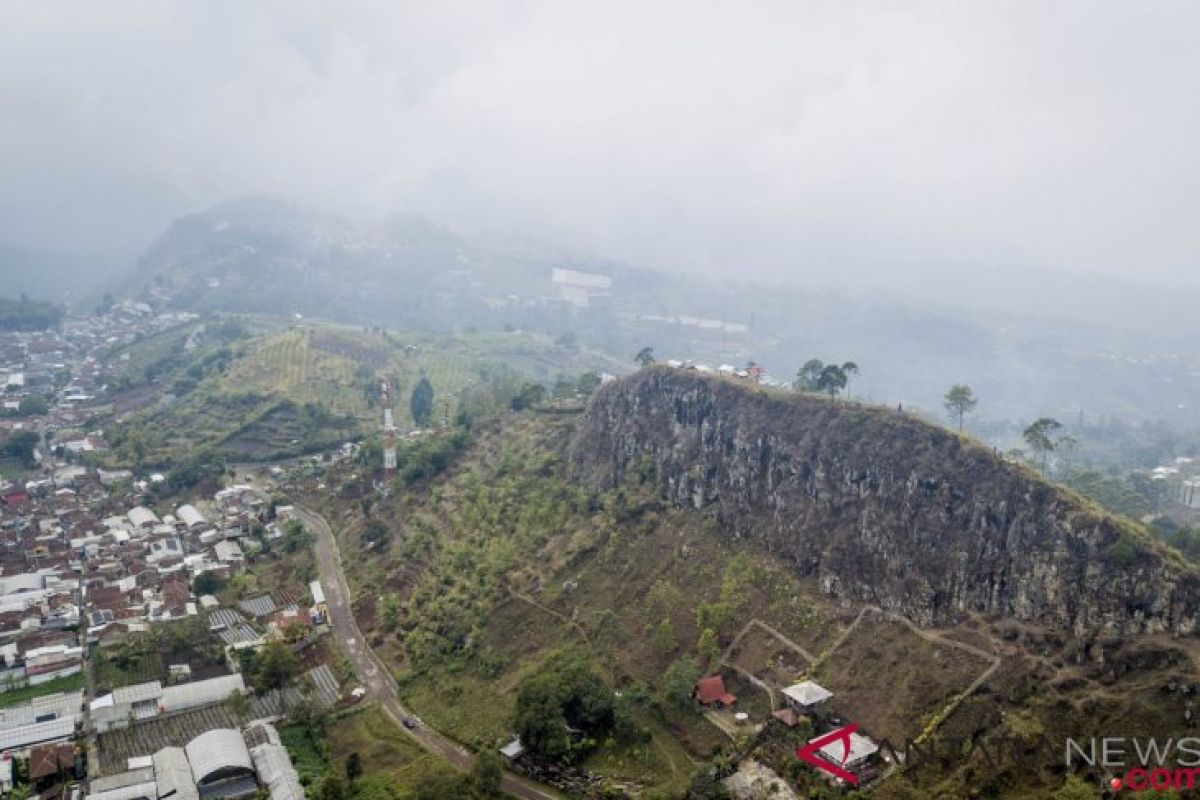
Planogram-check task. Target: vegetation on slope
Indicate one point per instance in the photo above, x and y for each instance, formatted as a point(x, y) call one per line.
point(28, 315)
point(503, 569)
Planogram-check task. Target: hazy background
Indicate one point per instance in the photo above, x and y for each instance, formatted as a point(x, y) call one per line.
point(776, 140)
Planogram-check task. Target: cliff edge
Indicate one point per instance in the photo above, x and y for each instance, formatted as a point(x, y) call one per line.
point(881, 507)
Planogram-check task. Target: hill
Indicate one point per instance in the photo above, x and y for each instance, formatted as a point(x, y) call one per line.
point(218, 388)
point(653, 539)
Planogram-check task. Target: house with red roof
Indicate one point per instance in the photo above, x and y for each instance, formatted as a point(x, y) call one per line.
point(711, 691)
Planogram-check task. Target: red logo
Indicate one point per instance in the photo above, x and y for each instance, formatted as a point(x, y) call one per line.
point(810, 753)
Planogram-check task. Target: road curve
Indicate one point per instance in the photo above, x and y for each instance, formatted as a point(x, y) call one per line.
point(372, 674)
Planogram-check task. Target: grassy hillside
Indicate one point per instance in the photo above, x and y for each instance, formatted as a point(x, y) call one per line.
point(217, 388)
point(505, 565)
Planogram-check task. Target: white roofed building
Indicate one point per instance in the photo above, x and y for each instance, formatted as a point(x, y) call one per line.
point(191, 517)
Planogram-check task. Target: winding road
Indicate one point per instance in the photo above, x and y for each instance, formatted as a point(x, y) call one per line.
point(376, 678)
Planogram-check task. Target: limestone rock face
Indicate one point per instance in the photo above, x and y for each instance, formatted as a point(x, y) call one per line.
point(880, 507)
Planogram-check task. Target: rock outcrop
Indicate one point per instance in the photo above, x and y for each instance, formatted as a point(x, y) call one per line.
point(881, 507)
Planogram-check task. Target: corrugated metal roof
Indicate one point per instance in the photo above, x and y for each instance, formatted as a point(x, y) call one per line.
point(36, 733)
point(242, 633)
point(276, 771)
point(201, 693)
point(224, 617)
point(121, 779)
point(217, 750)
point(138, 692)
point(190, 516)
point(258, 606)
point(137, 791)
point(173, 774)
point(60, 704)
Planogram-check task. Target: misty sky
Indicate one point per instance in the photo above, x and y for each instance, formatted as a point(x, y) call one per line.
point(768, 138)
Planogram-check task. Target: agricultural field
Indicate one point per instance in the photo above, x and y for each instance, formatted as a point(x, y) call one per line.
point(306, 388)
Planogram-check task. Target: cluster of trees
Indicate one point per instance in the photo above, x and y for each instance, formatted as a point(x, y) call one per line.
point(274, 666)
point(565, 709)
point(28, 315)
point(296, 537)
point(818, 377)
point(420, 404)
point(1041, 436)
point(20, 445)
point(31, 405)
point(426, 457)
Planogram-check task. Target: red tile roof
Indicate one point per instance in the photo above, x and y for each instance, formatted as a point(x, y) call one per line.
point(712, 689)
point(46, 760)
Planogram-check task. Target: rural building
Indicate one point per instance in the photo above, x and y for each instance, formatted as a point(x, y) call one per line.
point(142, 517)
point(318, 596)
point(173, 775)
point(221, 764)
point(201, 693)
point(711, 691)
point(512, 751)
point(858, 760)
point(50, 761)
point(805, 696)
point(192, 519)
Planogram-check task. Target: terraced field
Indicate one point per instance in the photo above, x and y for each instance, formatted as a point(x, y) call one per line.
point(310, 387)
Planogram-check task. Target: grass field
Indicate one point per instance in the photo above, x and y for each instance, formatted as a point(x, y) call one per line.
point(891, 681)
point(393, 764)
point(14, 697)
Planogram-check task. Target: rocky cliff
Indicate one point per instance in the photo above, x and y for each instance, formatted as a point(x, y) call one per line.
point(880, 507)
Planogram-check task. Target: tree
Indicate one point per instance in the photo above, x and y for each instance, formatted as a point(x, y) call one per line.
point(833, 378)
point(421, 403)
point(817, 376)
point(849, 369)
point(680, 680)
point(208, 583)
point(807, 376)
point(564, 694)
point(353, 767)
point(663, 637)
point(644, 357)
point(275, 666)
point(295, 537)
point(486, 774)
point(442, 785)
point(960, 401)
point(1038, 437)
point(20, 444)
point(708, 647)
point(530, 395)
point(33, 406)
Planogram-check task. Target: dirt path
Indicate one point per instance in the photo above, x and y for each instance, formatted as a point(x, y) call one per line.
point(375, 677)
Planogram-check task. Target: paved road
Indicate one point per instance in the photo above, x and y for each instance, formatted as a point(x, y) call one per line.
point(377, 680)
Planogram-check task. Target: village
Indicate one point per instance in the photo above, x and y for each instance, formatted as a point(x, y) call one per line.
point(122, 673)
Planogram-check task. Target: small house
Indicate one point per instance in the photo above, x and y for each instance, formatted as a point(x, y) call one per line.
point(805, 696)
point(711, 691)
point(853, 754)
